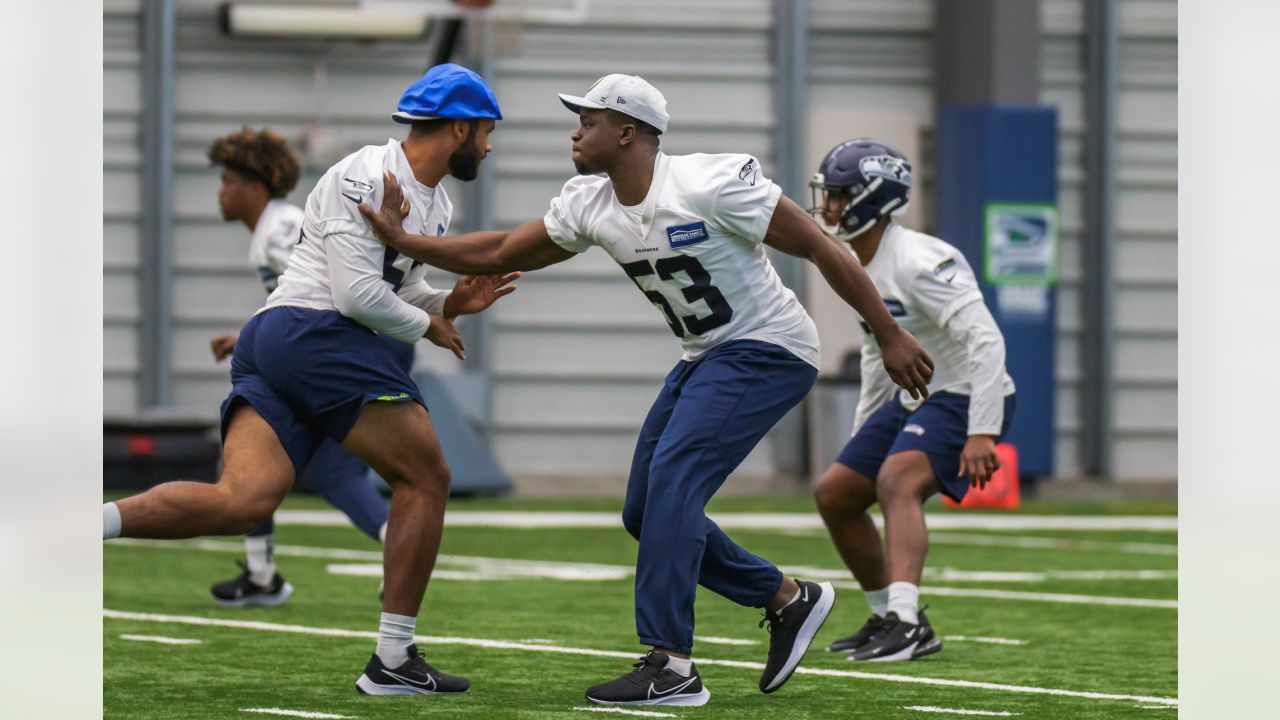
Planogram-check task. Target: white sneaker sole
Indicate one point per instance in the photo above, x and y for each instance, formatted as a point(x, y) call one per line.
point(695, 700)
point(805, 637)
point(911, 652)
point(263, 600)
point(369, 687)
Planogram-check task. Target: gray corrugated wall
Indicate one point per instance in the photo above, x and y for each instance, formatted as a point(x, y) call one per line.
point(578, 359)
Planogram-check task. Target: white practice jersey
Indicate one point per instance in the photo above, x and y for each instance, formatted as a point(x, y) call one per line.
point(274, 238)
point(932, 292)
point(695, 250)
point(339, 264)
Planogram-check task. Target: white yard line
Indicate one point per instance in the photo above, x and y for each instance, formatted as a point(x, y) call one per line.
point(761, 521)
point(713, 640)
point(958, 711)
point(161, 639)
point(1012, 576)
point(508, 645)
point(624, 711)
point(987, 640)
point(293, 713)
point(462, 567)
point(1039, 543)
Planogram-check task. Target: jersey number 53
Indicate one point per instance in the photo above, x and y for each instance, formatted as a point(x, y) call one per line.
point(701, 289)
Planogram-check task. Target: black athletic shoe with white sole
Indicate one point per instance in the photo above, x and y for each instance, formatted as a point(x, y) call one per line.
point(241, 591)
point(415, 677)
point(791, 631)
point(858, 639)
point(899, 640)
point(651, 683)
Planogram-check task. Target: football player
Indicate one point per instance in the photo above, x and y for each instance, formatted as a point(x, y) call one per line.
point(310, 365)
point(904, 449)
point(690, 231)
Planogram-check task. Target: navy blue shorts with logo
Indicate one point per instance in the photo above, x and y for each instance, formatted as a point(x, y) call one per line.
point(939, 427)
point(309, 373)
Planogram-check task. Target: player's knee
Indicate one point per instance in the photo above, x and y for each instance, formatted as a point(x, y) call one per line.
point(633, 518)
point(429, 474)
point(830, 494)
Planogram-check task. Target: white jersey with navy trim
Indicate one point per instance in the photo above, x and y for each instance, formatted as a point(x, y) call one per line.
point(274, 237)
point(339, 265)
point(694, 248)
point(931, 291)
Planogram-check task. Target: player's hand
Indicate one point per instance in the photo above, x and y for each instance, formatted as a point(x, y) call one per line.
point(387, 222)
point(442, 332)
point(474, 293)
point(222, 346)
point(979, 460)
point(909, 366)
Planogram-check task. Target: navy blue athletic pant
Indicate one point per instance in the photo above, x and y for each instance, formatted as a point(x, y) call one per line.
point(708, 417)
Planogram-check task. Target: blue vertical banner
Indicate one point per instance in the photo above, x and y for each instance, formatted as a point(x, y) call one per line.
point(998, 203)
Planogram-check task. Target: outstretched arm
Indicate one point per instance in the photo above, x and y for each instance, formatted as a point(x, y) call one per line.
point(792, 231)
point(528, 247)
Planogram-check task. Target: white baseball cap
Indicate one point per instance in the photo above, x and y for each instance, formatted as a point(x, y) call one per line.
point(628, 94)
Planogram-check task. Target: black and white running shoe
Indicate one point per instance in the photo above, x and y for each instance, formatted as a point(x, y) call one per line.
point(650, 683)
point(414, 677)
point(858, 639)
point(241, 591)
point(899, 640)
point(791, 631)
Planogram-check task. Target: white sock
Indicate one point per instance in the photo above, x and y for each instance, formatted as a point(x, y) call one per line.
point(110, 521)
point(382, 534)
point(395, 635)
point(904, 598)
point(681, 666)
point(259, 551)
point(879, 600)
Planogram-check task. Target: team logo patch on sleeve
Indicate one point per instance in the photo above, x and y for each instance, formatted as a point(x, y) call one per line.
point(688, 234)
point(749, 172)
point(896, 308)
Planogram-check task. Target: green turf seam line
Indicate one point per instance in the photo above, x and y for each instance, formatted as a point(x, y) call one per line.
point(506, 645)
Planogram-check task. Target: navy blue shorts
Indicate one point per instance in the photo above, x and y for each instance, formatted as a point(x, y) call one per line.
point(309, 373)
point(939, 427)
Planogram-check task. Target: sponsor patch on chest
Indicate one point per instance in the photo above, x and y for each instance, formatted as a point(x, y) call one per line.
point(687, 234)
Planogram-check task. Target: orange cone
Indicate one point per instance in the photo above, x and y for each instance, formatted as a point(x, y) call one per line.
point(1002, 489)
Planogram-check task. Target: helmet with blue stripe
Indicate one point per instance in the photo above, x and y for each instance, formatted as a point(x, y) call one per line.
point(872, 175)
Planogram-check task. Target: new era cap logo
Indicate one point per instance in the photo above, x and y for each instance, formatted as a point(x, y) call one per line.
point(622, 101)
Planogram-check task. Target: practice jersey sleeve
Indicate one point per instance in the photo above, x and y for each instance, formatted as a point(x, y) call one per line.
point(974, 328)
point(941, 285)
point(877, 386)
point(360, 293)
point(744, 199)
point(424, 297)
point(565, 221)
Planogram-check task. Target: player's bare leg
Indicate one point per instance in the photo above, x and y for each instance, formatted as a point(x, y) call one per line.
point(843, 497)
point(398, 441)
point(905, 481)
point(256, 475)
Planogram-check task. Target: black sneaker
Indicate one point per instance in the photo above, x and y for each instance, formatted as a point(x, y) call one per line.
point(858, 639)
point(899, 640)
point(414, 677)
point(241, 591)
point(650, 683)
point(792, 630)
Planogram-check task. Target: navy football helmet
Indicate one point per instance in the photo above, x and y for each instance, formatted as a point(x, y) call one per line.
point(872, 174)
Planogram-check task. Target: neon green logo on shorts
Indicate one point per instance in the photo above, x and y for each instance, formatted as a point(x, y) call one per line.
point(393, 398)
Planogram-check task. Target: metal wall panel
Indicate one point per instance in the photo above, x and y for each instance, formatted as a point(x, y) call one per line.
point(1145, 364)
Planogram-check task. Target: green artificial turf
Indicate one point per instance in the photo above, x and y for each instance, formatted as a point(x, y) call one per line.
point(1076, 647)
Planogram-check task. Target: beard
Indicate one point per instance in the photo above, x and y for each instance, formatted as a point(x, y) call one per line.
point(464, 163)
